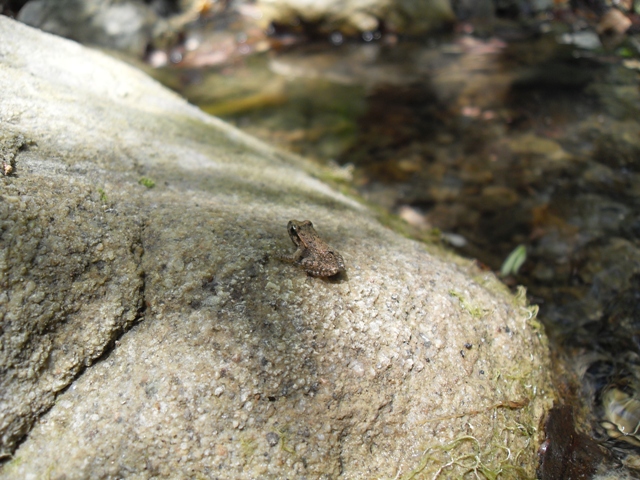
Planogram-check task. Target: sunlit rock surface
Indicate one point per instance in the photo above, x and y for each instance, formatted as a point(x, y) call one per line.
point(358, 16)
point(238, 365)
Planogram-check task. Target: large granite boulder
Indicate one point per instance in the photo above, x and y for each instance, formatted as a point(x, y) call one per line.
point(149, 327)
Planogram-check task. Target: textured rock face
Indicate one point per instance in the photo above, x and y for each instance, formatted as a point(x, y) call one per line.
point(239, 365)
point(70, 284)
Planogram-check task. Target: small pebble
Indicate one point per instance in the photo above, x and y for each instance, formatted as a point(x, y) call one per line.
point(273, 439)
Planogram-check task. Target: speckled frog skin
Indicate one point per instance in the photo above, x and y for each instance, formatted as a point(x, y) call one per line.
point(314, 255)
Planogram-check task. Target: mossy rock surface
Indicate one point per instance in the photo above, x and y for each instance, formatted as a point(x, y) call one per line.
point(154, 332)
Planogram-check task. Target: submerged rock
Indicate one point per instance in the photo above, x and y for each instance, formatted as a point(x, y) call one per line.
point(129, 206)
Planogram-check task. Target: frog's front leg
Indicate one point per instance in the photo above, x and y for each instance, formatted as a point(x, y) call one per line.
point(293, 258)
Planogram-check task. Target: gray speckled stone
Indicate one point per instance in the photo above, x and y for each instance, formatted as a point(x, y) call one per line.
point(240, 366)
point(119, 25)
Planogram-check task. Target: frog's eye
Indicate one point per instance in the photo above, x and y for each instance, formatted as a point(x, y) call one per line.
point(292, 228)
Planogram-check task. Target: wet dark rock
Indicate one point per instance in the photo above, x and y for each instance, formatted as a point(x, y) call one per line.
point(619, 327)
point(567, 453)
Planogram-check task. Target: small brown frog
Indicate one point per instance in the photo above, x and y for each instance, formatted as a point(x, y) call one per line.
point(316, 257)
